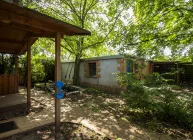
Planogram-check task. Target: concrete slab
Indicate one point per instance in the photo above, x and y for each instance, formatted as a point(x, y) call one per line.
point(46, 122)
point(12, 99)
point(9, 133)
point(25, 125)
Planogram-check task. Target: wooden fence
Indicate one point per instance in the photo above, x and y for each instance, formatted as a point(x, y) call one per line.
point(8, 84)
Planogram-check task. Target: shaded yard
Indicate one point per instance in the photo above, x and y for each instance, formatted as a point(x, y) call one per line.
point(104, 113)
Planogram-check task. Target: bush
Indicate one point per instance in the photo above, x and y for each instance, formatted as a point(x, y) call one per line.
point(41, 69)
point(158, 101)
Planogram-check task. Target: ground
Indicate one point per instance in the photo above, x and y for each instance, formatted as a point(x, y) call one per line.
point(100, 111)
point(69, 131)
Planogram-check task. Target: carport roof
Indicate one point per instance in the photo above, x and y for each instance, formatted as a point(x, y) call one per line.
point(19, 23)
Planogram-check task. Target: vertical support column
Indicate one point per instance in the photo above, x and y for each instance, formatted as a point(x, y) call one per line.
point(28, 73)
point(57, 77)
point(3, 71)
point(16, 73)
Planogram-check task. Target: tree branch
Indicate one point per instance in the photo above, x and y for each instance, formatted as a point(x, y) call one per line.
point(80, 8)
point(63, 15)
point(151, 39)
point(72, 8)
point(100, 42)
point(91, 5)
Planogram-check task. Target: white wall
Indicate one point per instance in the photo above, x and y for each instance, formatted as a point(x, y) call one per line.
point(107, 78)
point(67, 70)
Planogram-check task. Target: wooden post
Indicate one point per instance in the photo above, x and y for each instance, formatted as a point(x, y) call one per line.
point(16, 73)
point(57, 77)
point(3, 72)
point(28, 73)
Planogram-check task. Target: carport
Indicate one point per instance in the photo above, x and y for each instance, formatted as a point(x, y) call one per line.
point(19, 28)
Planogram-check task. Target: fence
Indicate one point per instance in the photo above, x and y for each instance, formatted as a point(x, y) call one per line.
point(8, 84)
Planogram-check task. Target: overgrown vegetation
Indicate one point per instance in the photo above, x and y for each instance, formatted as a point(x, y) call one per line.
point(41, 72)
point(6, 63)
point(153, 100)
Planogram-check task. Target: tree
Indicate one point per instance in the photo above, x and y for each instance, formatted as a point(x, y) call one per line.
point(42, 62)
point(98, 16)
point(156, 25)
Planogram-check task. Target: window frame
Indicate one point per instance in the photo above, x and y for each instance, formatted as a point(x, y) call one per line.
point(87, 70)
point(89, 73)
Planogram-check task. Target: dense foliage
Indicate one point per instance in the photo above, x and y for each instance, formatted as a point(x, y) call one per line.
point(6, 63)
point(156, 26)
point(42, 62)
point(98, 16)
point(154, 99)
point(151, 29)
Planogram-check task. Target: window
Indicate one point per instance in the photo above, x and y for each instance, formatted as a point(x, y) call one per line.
point(92, 69)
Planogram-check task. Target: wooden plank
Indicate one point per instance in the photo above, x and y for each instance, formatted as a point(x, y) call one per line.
point(30, 42)
point(51, 23)
point(8, 41)
point(1, 84)
point(11, 83)
point(9, 49)
point(13, 108)
point(46, 35)
point(17, 83)
point(10, 13)
point(22, 28)
point(10, 17)
point(57, 77)
point(16, 74)
point(28, 73)
point(6, 84)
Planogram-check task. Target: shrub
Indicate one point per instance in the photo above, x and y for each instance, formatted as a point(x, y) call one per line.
point(159, 101)
point(92, 91)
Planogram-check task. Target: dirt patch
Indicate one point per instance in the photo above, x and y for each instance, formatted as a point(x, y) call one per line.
point(69, 131)
point(104, 112)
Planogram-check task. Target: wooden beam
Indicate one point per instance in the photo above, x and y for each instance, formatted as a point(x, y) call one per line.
point(57, 78)
point(23, 28)
point(6, 49)
point(46, 35)
point(53, 24)
point(28, 73)
point(31, 22)
point(8, 41)
point(24, 48)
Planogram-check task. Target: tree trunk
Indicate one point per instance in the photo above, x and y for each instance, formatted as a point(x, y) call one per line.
point(76, 71)
point(77, 62)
